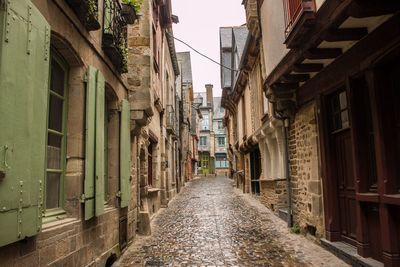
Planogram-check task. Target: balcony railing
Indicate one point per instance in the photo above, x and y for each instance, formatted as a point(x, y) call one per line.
point(171, 119)
point(115, 35)
point(298, 14)
point(87, 12)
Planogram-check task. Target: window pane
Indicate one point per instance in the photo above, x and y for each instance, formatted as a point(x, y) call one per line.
point(52, 190)
point(335, 105)
point(345, 119)
point(55, 113)
point(54, 151)
point(343, 100)
point(57, 78)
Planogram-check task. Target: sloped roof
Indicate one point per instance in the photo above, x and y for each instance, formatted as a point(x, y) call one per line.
point(240, 35)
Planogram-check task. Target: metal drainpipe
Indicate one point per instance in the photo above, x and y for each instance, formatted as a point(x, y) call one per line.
point(286, 124)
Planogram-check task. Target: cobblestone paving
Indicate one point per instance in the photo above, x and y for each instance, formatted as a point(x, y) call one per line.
point(211, 224)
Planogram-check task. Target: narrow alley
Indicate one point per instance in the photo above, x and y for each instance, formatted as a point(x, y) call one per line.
point(212, 224)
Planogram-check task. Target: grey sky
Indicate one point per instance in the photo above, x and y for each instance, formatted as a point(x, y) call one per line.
point(199, 22)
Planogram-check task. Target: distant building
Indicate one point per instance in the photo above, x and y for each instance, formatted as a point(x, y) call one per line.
point(220, 142)
point(206, 138)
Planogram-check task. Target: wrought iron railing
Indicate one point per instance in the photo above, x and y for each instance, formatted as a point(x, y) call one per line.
point(115, 35)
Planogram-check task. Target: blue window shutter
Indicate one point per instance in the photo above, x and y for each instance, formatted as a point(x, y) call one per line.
point(24, 76)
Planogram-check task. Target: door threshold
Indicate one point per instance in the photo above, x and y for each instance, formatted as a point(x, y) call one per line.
point(348, 254)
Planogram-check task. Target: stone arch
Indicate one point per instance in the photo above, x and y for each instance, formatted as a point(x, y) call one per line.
point(65, 49)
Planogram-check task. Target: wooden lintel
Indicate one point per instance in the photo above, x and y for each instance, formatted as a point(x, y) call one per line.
point(373, 8)
point(323, 53)
point(285, 86)
point(306, 68)
point(346, 34)
point(295, 78)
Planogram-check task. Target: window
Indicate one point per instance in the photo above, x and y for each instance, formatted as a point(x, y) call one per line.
point(220, 125)
point(221, 141)
point(221, 161)
point(203, 140)
point(205, 125)
point(56, 139)
point(339, 114)
point(294, 9)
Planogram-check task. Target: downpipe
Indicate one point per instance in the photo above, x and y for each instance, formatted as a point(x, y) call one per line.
point(286, 124)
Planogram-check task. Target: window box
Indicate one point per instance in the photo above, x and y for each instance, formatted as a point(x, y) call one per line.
point(87, 13)
point(129, 13)
point(299, 17)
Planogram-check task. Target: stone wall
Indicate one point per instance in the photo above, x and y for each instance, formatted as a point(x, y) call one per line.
point(67, 243)
point(274, 194)
point(305, 171)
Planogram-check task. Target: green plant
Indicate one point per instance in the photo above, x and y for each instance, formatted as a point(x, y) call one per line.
point(124, 53)
point(295, 229)
point(91, 10)
point(136, 4)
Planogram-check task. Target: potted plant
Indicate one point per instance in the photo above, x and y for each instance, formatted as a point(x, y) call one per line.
point(130, 8)
point(91, 19)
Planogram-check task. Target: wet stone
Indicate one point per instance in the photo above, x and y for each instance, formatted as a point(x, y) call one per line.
point(212, 224)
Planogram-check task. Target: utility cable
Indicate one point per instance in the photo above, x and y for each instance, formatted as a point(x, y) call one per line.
point(201, 54)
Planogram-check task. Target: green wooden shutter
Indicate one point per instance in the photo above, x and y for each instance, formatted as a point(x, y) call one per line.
point(99, 162)
point(89, 188)
point(125, 154)
point(24, 76)
point(94, 163)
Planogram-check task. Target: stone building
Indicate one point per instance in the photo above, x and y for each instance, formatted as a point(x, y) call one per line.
point(221, 162)
point(334, 79)
point(206, 137)
point(151, 77)
point(185, 86)
point(67, 149)
point(328, 134)
point(87, 133)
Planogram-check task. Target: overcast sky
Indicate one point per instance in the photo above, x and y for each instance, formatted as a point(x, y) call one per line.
point(199, 22)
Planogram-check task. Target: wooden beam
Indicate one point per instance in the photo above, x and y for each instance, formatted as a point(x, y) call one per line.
point(306, 68)
point(373, 8)
point(346, 34)
point(284, 86)
point(295, 78)
point(322, 53)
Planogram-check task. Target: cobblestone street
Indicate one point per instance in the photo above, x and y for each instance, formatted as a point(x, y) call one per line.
point(211, 224)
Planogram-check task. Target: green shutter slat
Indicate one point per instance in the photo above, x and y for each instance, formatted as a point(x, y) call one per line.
point(125, 154)
point(99, 157)
point(23, 112)
point(89, 189)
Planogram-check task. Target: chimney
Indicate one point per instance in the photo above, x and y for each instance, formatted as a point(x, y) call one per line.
point(209, 90)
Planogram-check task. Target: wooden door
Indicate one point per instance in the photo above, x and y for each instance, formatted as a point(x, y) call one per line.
point(341, 143)
point(341, 147)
